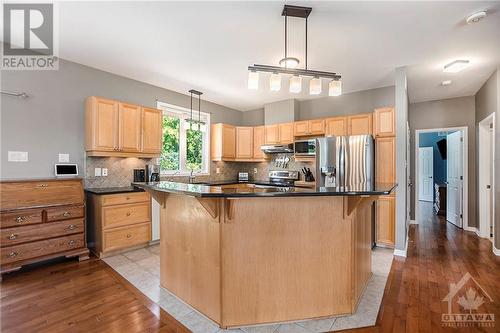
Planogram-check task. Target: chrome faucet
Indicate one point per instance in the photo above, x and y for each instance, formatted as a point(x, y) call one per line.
point(192, 177)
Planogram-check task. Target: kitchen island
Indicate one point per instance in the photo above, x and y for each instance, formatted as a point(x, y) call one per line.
point(244, 254)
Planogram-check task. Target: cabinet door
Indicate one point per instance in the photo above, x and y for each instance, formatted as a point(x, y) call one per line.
point(228, 141)
point(385, 220)
point(317, 127)
point(272, 134)
point(130, 127)
point(286, 133)
point(383, 122)
point(101, 124)
point(259, 138)
point(336, 126)
point(151, 130)
point(360, 124)
point(301, 128)
point(385, 160)
point(244, 142)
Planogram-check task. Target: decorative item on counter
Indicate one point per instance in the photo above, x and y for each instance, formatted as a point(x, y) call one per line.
point(308, 176)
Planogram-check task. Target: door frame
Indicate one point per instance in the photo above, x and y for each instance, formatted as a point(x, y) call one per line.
point(465, 187)
point(483, 228)
point(432, 156)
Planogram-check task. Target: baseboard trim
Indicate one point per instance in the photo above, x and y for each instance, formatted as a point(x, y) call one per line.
point(154, 242)
point(474, 230)
point(495, 250)
point(400, 253)
point(413, 222)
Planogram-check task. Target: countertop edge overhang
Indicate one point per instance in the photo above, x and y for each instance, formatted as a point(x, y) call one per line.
point(206, 191)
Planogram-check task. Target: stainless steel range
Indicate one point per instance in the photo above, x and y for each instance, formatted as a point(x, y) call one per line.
point(283, 177)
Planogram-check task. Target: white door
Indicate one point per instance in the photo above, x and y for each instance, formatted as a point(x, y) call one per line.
point(425, 173)
point(454, 188)
point(408, 181)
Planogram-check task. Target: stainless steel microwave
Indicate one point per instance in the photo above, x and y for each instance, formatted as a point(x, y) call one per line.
point(305, 147)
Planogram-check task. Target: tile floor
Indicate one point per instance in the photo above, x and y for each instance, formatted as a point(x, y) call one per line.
point(142, 268)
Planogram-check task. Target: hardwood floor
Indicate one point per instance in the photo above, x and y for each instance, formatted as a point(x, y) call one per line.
point(91, 297)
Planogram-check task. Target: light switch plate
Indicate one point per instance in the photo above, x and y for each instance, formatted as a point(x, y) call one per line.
point(217, 170)
point(97, 172)
point(18, 156)
point(255, 170)
point(104, 172)
point(63, 158)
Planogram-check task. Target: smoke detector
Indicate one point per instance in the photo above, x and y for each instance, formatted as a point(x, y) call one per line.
point(476, 17)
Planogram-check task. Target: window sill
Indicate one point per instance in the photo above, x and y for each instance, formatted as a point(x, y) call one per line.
point(184, 174)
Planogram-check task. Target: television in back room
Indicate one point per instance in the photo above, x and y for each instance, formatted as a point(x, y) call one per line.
point(442, 148)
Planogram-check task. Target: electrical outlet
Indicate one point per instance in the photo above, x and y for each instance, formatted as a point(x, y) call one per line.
point(255, 170)
point(217, 170)
point(63, 158)
point(97, 172)
point(18, 156)
point(104, 172)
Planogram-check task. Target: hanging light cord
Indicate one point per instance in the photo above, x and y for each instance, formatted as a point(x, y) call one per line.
point(286, 39)
point(191, 117)
point(306, 44)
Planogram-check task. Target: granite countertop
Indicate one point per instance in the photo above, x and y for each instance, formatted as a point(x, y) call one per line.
point(216, 190)
point(113, 190)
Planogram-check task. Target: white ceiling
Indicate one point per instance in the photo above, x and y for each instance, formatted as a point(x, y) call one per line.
point(208, 45)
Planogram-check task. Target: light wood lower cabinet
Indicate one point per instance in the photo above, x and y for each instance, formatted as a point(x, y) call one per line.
point(118, 222)
point(385, 217)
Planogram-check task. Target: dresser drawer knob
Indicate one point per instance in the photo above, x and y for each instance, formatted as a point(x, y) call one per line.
point(20, 219)
point(13, 254)
point(12, 237)
point(129, 236)
point(66, 214)
point(128, 213)
point(128, 198)
point(71, 243)
point(71, 227)
point(41, 185)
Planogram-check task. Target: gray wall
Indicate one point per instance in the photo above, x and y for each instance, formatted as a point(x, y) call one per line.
point(487, 101)
point(253, 118)
point(281, 112)
point(454, 112)
point(51, 121)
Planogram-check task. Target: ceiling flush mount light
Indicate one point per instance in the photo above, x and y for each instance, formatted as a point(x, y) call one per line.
point(191, 123)
point(288, 65)
point(456, 66)
point(446, 83)
point(476, 17)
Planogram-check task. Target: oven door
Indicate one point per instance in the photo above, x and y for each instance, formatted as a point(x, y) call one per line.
point(305, 147)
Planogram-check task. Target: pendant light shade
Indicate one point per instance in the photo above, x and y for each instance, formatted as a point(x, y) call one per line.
point(289, 62)
point(187, 125)
point(315, 86)
point(295, 84)
point(203, 128)
point(253, 80)
point(275, 82)
point(335, 88)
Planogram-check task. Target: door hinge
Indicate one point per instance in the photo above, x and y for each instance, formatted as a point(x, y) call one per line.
point(461, 216)
point(488, 187)
point(461, 177)
point(461, 139)
point(491, 126)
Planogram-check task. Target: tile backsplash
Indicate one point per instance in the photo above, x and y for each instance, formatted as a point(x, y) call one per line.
point(120, 170)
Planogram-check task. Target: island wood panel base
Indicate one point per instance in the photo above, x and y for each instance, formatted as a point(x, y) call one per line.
point(247, 262)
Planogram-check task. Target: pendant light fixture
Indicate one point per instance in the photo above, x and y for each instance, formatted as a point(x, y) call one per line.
point(191, 123)
point(288, 65)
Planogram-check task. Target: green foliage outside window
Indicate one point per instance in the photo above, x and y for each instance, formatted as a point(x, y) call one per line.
point(169, 159)
point(194, 154)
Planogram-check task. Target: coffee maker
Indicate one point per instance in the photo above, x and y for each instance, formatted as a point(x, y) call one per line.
point(152, 173)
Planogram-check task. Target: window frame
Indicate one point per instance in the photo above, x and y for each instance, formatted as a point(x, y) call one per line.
point(183, 114)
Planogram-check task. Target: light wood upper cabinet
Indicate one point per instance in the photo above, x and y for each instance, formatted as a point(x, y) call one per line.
point(120, 129)
point(359, 124)
point(130, 127)
point(384, 122)
point(309, 127)
point(385, 216)
point(101, 124)
point(272, 134)
point(286, 133)
point(223, 142)
point(259, 138)
point(151, 130)
point(385, 160)
point(336, 126)
point(244, 143)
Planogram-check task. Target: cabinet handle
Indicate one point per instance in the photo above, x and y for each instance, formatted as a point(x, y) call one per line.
point(71, 227)
point(12, 237)
point(13, 254)
point(129, 236)
point(71, 243)
point(127, 198)
point(20, 219)
point(128, 213)
point(41, 185)
point(66, 214)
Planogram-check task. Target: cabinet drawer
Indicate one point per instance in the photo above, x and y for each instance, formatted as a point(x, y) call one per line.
point(31, 233)
point(64, 213)
point(37, 249)
point(20, 218)
point(123, 237)
point(124, 198)
point(116, 216)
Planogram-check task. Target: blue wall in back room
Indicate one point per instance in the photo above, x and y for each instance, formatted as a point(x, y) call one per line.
point(429, 140)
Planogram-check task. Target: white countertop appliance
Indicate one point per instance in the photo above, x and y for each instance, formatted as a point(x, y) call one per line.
point(242, 176)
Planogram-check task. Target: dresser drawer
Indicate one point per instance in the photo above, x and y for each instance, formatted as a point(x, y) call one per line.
point(64, 213)
point(40, 193)
point(21, 217)
point(124, 237)
point(31, 233)
point(124, 198)
point(115, 216)
point(37, 249)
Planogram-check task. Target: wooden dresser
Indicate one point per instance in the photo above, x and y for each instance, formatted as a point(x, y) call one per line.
point(118, 222)
point(40, 220)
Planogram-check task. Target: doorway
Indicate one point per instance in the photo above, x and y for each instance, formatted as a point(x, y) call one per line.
point(441, 165)
point(486, 168)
